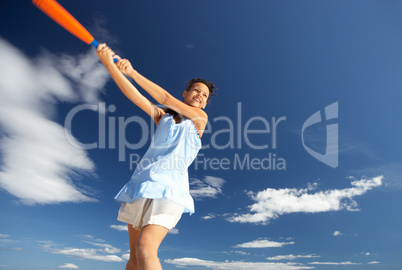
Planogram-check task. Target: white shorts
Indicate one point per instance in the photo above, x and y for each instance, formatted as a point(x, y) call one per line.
point(144, 211)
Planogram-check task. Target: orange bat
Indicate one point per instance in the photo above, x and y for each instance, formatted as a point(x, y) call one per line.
point(55, 11)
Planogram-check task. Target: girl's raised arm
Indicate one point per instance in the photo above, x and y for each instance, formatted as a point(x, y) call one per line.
point(196, 114)
point(106, 55)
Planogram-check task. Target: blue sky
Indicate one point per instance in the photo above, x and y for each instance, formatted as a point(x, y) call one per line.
point(69, 138)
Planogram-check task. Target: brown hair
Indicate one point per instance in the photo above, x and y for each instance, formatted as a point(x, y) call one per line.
point(190, 83)
point(210, 86)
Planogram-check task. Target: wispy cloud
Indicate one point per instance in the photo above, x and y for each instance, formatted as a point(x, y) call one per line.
point(272, 203)
point(86, 72)
point(99, 29)
point(392, 172)
point(92, 254)
point(92, 238)
point(121, 228)
point(209, 216)
point(235, 252)
point(337, 233)
point(39, 166)
point(236, 265)
point(68, 266)
point(263, 243)
point(315, 137)
point(6, 243)
point(292, 257)
point(126, 256)
point(335, 263)
point(105, 247)
point(104, 253)
point(208, 187)
point(173, 231)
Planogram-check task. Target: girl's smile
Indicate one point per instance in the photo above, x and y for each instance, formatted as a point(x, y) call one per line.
point(197, 95)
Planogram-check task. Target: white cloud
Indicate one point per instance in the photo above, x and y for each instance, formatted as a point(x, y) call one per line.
point(292, 257)
point(209, 216)
point(209, 187)
point(236, 265)
point(373, 262)
point(69, 266)
point(92, 254)
point(105, 247)
point(392, 172)
point(261, 243)
point(337, 233)
point(38, 163)
point(173, 231)
point(5, 239)
point(120, 228)
point(335, 263)
point(92, 238)
point(236, 252)
point(86, 72)
point(104, 253)
point(272, 203)
point(216, 182)
point(7, 244)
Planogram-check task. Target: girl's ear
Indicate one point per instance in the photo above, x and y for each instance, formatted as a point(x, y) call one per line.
point(184, 93)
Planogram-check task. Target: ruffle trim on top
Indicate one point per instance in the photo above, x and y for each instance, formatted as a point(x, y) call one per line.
point(153, 190)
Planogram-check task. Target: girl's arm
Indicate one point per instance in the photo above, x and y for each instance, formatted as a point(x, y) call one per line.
point(106, 55)
point(197, 115)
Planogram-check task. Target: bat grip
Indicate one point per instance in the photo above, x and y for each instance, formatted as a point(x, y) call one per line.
point(95, 44)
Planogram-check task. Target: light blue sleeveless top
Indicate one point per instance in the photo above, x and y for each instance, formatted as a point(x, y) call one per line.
point(162, 171)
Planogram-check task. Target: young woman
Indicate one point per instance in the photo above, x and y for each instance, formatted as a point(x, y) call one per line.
point(158, 191)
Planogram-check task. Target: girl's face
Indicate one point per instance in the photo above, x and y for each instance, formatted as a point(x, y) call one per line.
point(197, 95)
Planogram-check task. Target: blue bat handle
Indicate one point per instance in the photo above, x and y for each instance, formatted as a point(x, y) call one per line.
point(95, 44)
